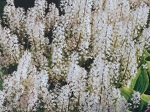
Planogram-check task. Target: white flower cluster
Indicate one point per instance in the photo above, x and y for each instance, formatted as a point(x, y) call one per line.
point(135, 99)
point(27, 82)
point(74, 61)
point(9, 45)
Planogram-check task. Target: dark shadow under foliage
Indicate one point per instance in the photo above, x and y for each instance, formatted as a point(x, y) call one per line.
point(2, 4)
point(49, 35)
point(30, 3)
point(53, 84)
point(9, 69)
point(24, 3)
point(86, 64)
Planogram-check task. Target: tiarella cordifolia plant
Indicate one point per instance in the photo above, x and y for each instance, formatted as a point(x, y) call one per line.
point(82, 60)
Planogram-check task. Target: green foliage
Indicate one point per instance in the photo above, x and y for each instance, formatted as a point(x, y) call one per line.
point(142, 106)
point(134, 80)
point(126, 92)
point(140, 83)
point(148, 63)
point(145, 98)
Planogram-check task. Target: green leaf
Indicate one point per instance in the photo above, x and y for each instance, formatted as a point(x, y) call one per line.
point(126, 92)
point(143, 81)
point(142, 104)
point(146, 54)
point(145, 98)
point(147, 59)
point(134, 79)
point(148, 90)
point(128, 111)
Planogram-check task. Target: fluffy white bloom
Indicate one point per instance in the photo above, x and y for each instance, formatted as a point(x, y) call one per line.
point(24, 64)
point(9, 44)
point(72, 58)
point(76, 78)
point(1, 100)
point(136, 99)
point(27, 83)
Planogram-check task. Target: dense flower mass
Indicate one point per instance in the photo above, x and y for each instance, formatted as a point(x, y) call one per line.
point(76, 61)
